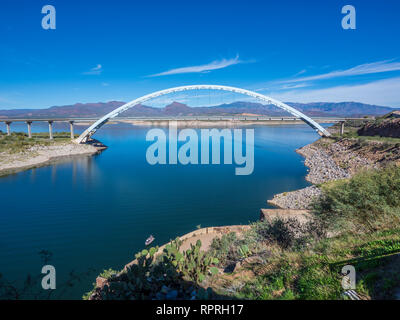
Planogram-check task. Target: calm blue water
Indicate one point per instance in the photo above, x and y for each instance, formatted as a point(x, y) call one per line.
point(96, 212)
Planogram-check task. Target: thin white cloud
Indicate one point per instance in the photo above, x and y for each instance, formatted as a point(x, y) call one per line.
point(367, 68)
point(214, 65)
point(94, 71)
point(381, 92)
point(283, 87)
point(295, 86)
point(300, 72)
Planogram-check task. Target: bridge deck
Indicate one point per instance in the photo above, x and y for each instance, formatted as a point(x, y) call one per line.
point(71, 121)
point(183, 118)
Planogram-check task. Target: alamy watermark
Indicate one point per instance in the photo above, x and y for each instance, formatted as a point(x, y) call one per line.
point(349, 20)
point(49, 280)
point(348, 277)
point(49, 20)
point(189, 153)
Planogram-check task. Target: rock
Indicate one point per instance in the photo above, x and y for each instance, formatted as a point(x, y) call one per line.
point(299, 199)
point(322, 166)
point(100, 282)
point(238, 265)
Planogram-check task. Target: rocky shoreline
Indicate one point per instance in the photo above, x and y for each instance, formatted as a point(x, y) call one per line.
point(298, 199)
point(40, 155)
point(322, 168)
point(332, 159)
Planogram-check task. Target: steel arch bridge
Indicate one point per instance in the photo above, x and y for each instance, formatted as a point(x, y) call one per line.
point(99, 123)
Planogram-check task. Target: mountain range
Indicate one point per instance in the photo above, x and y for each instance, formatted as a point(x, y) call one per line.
point(95, 110)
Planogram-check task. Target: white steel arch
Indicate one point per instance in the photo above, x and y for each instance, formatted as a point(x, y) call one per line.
point(95, 126)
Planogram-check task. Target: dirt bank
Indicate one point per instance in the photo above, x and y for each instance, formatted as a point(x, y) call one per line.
point(40, 155)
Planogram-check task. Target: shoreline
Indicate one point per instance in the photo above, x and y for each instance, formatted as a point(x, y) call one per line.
point(39, 156)
point(212, 123)
point(330, 159)
point(321, 168)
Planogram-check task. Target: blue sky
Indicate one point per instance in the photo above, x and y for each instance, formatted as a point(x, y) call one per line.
point(120, 50)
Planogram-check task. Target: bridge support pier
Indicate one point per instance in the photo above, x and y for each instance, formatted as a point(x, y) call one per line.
point(8, 128)
point(341, 128)
point(29, 123)
point(71, 129)
point(50, 130)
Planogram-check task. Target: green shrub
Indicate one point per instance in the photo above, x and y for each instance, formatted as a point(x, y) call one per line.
point(285, 233)
point(221, 248)
point(367, 202)
point(151, 278)
point(290, 233)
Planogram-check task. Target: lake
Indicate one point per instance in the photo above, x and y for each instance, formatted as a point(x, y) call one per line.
point(96, 212)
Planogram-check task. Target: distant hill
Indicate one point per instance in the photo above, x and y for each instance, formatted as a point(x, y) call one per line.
point(82, 110)
point(353, 109)
point(94, 110)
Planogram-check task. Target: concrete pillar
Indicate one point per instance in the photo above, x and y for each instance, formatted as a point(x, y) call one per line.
point(51, 130)
point(29, 123)
point(341, 128)
point(71, 129)
point(8, 128)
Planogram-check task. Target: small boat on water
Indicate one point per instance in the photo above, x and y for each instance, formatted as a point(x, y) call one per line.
point(149, 240)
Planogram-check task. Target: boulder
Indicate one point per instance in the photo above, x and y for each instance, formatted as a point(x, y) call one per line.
point(100, 282)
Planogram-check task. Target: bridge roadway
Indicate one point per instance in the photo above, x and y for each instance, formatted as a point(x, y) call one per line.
point(240, 118)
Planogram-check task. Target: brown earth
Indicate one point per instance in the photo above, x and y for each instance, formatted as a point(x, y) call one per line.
point(385, 128)
point(354, 155)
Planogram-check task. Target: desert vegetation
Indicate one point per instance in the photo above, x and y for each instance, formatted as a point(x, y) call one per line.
point(355, 221)
point(293, 261)
point(19, 141)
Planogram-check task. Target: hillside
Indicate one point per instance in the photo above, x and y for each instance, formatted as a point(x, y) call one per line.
point(94, 110)
point(386, 126)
